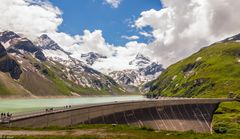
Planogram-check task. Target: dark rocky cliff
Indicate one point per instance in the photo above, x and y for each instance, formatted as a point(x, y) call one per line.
point(9, 65)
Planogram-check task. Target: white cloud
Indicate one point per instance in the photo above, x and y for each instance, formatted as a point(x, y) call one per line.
point(184, 26)
point(33, 18)
point(113, 3)
point(118, 56)
point(145, 34)
point(181, 28)
point(130, 37)
point(91, 42)
point(23, 16)
point(122, 57)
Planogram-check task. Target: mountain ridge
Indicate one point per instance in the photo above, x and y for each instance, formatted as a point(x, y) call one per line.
point(47, 75)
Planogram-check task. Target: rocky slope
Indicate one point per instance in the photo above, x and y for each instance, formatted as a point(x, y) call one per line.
point(140, 70)
point(145, 71)
point(20, 45)
point(214, 71)
point(9, 65)
point(43, 68)
point(9, 71)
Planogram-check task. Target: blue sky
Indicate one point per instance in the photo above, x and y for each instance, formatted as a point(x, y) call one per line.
point(79, 15)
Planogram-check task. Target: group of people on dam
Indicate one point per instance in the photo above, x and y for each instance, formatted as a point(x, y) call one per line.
point(6, 117)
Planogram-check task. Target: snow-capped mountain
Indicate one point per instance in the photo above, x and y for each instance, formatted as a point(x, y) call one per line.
point(7, 38)
point(47, 69)
point(77, 71)
point(140, 69)
point(45, 42)
point(50, 48)
point(126, 77)
point(14, 43)
point(146, 70)
point(140, 61)
point(91, 57)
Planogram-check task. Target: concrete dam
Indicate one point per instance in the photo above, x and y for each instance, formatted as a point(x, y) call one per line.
point(162, 114)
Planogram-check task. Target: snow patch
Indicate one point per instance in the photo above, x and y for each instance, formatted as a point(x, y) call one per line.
point(174, 77)
point(55, 54)
point(238, 60)
point(229, 39)
point(198, 59)
point(20, 61)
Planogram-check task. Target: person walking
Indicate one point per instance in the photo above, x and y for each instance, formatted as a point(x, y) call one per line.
point(1, 117)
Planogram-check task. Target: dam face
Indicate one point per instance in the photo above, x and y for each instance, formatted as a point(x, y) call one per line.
point(187, 117)
point(170, 115)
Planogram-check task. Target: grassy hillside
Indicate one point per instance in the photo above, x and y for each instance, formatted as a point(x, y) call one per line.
point(9, 87)
point(227, 118)
point(212, 72)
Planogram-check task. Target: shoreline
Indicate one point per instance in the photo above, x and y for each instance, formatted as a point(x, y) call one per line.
point(63, 97)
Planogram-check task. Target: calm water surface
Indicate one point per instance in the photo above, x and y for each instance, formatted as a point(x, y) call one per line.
point(29, 105)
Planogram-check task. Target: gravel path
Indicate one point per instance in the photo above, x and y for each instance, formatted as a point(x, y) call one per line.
point(76, 132)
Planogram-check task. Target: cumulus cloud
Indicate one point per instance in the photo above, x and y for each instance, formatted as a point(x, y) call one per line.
point(35, 17)
point(118, 56)
point(130, 37)
point(28, 17)
point(184, 26)
point(121, 58)
point(179, 29)
point(91, 42)
point(113, 3)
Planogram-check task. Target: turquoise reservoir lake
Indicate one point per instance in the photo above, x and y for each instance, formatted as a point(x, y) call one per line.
point(18, 106)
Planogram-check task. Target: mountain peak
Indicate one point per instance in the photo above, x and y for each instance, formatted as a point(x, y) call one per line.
point(45, 36)
point(142, 57)
point(92, 57)
point(145, 70)
point(8, 35)
point(51, 48)
point(45, 42)
point(140, 61)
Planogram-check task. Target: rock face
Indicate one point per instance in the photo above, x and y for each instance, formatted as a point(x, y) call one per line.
point(9, 65)
point(214, 71)
point(8, 37)
point(126, 77)
point(16, 44)
point(152, 69)
point(3, 51)
point(92, 57)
